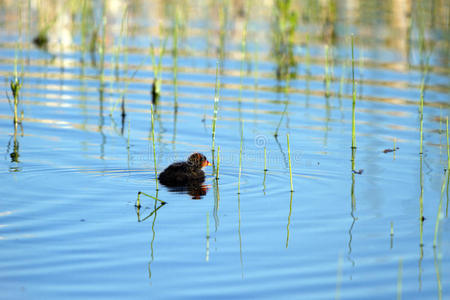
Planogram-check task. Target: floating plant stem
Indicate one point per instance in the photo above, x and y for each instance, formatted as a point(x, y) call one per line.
point(218, 162)
point(216, 106)
point(138, 203)
point(153, 142)
point(436, 227)
point(240, 157)
point(290, 165)
point(353, 99)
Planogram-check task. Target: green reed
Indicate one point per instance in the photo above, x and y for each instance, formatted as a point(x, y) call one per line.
point(153, 142)
point(216, 107)
point(422, 88)
point(118, 50)
point(119, 47)
point(218, 163)
point(265, 171)
point(290, 165)
point(436, 227)
point(448, 149)
point(240, 157)
point(16, 83)
point(138, 201)
point(421, 218)
point(265, 160)
point(156, 86)
point(353, 98)
point(103, 47)
point(327, 72)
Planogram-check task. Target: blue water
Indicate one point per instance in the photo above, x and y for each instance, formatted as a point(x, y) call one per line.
point(69, 224)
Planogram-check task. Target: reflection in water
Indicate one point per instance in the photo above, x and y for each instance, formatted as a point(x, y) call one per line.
point(437, 264)
point(289, 220)
point(421, 219)
point(353, 207)
point(195, 190)
point(153, 213)
point(207, 237)
point(283, 39)
point(240, 236)
point(216, 204)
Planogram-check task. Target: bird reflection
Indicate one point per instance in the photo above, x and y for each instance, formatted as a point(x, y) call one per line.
point(195, 190)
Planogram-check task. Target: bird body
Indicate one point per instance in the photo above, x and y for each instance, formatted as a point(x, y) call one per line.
point(185, 173)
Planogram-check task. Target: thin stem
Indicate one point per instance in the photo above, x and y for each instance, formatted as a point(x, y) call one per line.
point(290, 165)
point(218, 162)
point(154, 150)
point(354, 98)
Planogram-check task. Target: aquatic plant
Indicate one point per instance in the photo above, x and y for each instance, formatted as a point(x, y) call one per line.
point(216, 107)
point(153, 143)
point(290, 165)
point(353, 99)
point(240, 157)
point(327, 72)
point(218, 163)
point(436, 227)
point(265, 160)
point(156, 85)
point(422, 87)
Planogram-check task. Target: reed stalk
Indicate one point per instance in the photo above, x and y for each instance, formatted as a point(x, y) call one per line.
point(156, 86)
point(290, 165)
point(218, 163)
point(448, 149)
point(154, 150)
point(216, 107)
point(240, 157)
point(353, 98)
point(102, 48)
point(327, 72)
point(436, 227)
point(265, 160)
point(422, 87)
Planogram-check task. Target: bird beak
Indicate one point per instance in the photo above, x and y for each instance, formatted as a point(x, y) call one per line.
point(208, 163)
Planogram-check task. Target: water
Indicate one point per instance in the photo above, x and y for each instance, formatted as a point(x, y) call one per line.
point(72, 170)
